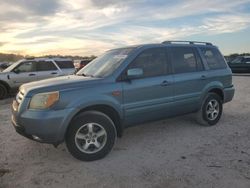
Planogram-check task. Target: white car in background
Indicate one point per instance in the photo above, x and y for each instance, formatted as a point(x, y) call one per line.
point(33, 69)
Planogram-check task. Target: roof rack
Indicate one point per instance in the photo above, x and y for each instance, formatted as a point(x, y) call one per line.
point(188, 42)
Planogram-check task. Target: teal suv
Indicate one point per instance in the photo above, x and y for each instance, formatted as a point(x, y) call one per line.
point(121, 88)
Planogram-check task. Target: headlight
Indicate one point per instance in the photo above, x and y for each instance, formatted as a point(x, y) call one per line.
point(44, 100)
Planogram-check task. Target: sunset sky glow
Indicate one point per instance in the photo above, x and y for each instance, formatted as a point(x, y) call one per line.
point(89, 27)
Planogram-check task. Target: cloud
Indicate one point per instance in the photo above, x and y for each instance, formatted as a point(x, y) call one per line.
point(38, 40)
point(118, 3)
point(82, 26)
point(27, 10)
point(226, 24)
point(2, 43)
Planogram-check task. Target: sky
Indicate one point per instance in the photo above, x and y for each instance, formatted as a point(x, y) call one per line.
point(90, 27)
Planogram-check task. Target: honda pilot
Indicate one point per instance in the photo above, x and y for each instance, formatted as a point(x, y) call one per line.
point(121, 88)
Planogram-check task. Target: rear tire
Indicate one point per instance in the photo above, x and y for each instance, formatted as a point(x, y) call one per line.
point(211, 110)
point(91, 136)
point(3, 91)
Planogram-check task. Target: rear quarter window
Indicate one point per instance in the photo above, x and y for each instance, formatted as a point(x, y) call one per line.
point(65, 64)
point(214, 58)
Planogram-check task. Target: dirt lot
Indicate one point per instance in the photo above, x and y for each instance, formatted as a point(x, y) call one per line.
point(171, 153)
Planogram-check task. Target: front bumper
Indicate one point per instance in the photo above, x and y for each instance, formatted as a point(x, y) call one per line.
point(20, 129)
point(43, 126)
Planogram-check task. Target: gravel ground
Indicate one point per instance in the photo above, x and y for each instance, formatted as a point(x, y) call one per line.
point(171, 153)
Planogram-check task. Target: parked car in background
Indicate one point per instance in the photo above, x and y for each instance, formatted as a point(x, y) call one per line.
point(123, 87)
point(229, 58)
point(32, 69)
point(240, 64)
point(4, 65)
point(79, 64)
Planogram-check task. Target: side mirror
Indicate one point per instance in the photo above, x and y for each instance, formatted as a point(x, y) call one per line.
point(17, 71)
point(134, 73)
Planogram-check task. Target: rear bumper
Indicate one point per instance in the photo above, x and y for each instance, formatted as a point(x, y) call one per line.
point(228, 94)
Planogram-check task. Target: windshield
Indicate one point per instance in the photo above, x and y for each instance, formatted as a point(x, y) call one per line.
point(11, 67)
point(106, 64)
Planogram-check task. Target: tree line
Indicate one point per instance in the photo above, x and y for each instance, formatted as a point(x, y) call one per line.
point(234, 55)
point(15, 57)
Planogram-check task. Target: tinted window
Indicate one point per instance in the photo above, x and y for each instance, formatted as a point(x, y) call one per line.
point(85, 62)
point(45, 66)
point(153, 62)
point(214, 58)
point(65, 64)
point(247, 60)
point(237, 60)
point(27, 66)
point(185, 60)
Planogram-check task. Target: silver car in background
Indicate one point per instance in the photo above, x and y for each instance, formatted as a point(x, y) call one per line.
point(33, 69)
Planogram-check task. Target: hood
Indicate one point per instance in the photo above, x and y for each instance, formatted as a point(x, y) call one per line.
point(3, 73)
point(58, 84)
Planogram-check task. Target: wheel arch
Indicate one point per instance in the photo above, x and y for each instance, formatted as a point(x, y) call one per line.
point(108, 110)
point(5, 84)
point(217, 91)
point(213, 87)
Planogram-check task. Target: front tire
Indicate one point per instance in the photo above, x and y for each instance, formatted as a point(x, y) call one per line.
point(211, 110)
point(3, 91)
point(91, 136)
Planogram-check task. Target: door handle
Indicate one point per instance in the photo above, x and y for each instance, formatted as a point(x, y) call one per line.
point(203, 77)
point(32, 74)
point(165, 83)
point(54, 73)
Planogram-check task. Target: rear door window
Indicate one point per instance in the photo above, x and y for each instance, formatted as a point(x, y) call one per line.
point(65, 64)
point(247, 60)
point(185, 59)
point(45, 66)
point(214, 58)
